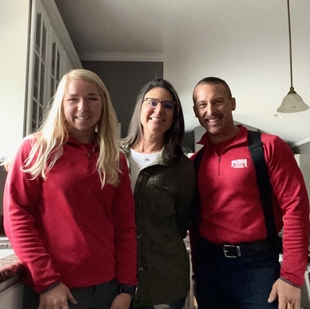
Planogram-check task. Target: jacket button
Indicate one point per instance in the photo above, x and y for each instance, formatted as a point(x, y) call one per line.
point(140, 268)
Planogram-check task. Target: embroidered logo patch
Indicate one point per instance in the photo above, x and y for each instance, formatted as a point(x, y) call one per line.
point(240, 163)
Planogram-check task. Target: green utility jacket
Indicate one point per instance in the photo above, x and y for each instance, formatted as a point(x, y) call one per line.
point(163, 195)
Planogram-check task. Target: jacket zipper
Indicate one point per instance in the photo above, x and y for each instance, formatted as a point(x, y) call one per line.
point(218, 166)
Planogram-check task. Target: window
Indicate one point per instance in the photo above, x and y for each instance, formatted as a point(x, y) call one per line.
point(45, 67)
point(38, 92)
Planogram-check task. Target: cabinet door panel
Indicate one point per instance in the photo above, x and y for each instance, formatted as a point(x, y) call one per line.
point(12, 297)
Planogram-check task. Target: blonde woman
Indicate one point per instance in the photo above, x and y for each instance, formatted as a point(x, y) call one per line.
point(68, 206)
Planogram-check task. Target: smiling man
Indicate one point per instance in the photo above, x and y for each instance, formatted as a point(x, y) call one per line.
point(235, 261)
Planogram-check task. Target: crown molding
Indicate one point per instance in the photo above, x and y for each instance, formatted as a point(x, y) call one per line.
point(61, 32)
point(137, 57)
point(301, 142)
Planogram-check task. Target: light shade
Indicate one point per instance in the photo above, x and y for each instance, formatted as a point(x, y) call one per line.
point(292, 103)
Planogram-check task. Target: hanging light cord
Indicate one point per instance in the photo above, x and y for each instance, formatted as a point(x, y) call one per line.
point(290, 41)
point(292, 102)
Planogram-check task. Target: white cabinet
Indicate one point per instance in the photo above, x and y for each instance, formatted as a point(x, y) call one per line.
point(11, 294)
point(303, 161)
point(36, 51)
point(14, 20)
point(305, 290)
point(48, 60)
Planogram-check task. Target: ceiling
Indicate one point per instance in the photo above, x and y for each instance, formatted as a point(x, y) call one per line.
point(244, 42)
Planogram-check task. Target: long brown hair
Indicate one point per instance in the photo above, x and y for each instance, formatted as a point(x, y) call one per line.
point(174, 136)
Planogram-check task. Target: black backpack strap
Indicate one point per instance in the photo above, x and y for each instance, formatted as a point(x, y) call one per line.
point(256, 149)
point(255, 146)
point(195, 238)
point(196, 200)
point(197, 159)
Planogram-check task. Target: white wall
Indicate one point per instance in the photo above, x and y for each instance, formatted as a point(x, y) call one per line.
point(247, 47)
point(14, 18)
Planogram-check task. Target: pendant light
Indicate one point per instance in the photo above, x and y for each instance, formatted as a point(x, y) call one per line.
point(292, 103)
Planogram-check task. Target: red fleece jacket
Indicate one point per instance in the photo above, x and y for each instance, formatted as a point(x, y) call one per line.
point(67, 228)
point(231, 210)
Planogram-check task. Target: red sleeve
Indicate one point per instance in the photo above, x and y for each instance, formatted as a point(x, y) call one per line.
point(125, 230)
point(21, 214)
point(290, 192)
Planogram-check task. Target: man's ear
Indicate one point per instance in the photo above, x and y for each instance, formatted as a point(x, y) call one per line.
point(233, 104)
point(195, 112)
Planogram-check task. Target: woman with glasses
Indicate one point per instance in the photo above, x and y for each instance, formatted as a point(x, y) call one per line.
point(163, 182)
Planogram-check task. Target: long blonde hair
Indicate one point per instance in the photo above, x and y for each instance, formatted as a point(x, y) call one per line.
point(53, 133)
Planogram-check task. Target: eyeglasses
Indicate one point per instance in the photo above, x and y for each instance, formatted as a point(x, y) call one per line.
point(168, 105)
